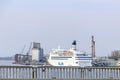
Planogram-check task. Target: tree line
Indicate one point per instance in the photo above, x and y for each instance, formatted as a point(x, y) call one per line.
point(115, 55)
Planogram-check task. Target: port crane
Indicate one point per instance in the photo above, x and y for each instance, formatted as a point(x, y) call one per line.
point(27, 54)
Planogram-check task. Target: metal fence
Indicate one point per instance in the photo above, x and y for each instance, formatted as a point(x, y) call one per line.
point(58, 73)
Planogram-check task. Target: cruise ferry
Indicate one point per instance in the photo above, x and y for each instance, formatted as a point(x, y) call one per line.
point(71, 57)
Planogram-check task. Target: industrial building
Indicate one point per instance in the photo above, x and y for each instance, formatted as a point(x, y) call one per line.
point(37, 52)
point(34, 54)
point(23, 59)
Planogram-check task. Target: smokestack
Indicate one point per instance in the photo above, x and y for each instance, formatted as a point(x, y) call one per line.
point(93, 47)
point(74, 45)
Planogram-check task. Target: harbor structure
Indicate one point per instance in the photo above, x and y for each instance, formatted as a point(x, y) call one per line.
point(37, 52)
point(93, 47)
point(22, 58)
point(33, 56)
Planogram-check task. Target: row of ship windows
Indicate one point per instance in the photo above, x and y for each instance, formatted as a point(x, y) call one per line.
point(60, 58)
point(71, 57)
point(66, 58)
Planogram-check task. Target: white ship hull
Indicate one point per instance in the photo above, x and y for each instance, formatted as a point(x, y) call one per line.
point(82, 63)
point(76, 59)
point(71, 57)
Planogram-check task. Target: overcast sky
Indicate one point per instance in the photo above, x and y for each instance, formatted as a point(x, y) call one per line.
point(56, 23)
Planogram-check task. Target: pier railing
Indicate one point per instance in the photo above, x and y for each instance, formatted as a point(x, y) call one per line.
point(58, 73)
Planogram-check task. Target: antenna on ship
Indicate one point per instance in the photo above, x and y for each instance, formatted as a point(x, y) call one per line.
point(74, 45)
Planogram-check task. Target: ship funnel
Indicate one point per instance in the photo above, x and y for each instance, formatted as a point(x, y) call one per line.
point(74, 45)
